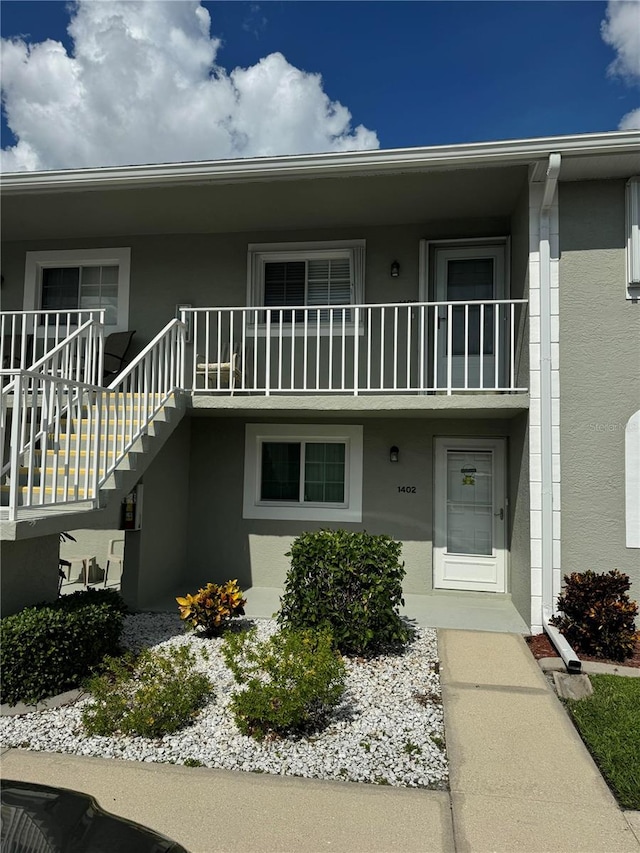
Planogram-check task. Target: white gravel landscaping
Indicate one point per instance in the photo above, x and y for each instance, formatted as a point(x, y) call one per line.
point(388, 728)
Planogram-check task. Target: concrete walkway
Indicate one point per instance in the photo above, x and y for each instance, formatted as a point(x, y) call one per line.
point(521, 780)
point(520, 777)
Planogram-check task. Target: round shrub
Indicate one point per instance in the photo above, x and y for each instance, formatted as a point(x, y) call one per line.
point(350, 583)
point(53, 647)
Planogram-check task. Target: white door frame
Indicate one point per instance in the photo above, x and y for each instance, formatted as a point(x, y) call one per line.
point(481, 573)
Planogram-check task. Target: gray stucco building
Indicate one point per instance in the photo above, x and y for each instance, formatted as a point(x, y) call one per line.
point(441, 344)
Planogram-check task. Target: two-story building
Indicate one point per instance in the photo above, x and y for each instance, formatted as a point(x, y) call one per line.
point(441, 344)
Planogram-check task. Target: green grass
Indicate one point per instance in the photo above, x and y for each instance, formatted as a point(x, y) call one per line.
point(609, 723)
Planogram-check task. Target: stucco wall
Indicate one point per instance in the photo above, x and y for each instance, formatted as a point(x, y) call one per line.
point(208, 270)
point(599, 377)
point(156, 555)
point(222, 544)
point(29, 572)
point(518, 493)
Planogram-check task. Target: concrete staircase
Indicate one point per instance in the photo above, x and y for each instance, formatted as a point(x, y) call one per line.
point(59, 482)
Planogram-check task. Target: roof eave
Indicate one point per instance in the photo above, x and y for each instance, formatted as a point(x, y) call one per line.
point(343, 164)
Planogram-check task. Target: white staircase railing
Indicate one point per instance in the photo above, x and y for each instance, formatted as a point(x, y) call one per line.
point(67, 436)
point(136, 396)
point(55, 428)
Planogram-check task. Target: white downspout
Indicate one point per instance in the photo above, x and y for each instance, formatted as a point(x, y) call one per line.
point(546, 433)
point(567, 654)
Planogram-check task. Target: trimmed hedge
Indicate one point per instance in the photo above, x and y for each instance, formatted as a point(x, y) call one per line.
point(53, 647)
point(350, 583)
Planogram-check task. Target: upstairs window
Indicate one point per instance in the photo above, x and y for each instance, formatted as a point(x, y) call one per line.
point(293, 275)
point(80, 279)
point(84, 287)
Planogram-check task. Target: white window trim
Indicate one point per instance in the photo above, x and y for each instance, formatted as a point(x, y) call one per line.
point(633, 238)
point(37, 261)
point(260, 254)
point(497, 247)
point(632, 480)
point(253, 507)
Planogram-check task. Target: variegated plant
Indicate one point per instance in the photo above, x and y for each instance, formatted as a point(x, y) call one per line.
point(212, 606)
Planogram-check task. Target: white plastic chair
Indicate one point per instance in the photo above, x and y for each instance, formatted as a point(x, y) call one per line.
point(113, 557)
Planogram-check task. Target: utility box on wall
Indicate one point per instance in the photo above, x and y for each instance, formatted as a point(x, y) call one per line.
point(131, 511)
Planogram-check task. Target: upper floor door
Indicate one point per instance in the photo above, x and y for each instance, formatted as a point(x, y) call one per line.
point(471, 344)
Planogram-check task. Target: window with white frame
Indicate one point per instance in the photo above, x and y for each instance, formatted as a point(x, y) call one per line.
point(303, 472)
point(633, 238)
point(80, 279)
point(290, 275)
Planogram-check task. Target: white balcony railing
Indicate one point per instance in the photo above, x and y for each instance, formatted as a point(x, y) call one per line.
point(406, 348)
point(27, 336)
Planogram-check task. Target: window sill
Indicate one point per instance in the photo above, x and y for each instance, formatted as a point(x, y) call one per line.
point(302, 513)
point(312, 330)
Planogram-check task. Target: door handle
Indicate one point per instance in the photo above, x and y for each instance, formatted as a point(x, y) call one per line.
point(501, 514)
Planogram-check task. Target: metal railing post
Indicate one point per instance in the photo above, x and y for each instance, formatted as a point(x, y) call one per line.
point(17, 414)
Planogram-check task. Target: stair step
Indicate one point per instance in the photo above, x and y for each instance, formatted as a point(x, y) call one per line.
point(70, 494)
point(73, 453)
point(71, 472)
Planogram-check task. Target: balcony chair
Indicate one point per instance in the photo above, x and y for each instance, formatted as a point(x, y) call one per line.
point(116, 347)
point(225, 374)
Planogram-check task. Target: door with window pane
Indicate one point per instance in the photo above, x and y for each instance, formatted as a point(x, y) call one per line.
point(470, 336)
point(470, 515)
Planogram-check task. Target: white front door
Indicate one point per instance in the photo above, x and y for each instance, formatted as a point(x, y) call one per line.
point(469, 537)
point(470, 337)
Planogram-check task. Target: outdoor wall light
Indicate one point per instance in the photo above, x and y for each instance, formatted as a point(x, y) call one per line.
point(395, 269)
point(394, 454)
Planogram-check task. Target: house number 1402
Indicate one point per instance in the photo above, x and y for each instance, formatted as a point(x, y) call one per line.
point(408, 490)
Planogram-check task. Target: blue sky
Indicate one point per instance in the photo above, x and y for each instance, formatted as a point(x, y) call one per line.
point(410, 73)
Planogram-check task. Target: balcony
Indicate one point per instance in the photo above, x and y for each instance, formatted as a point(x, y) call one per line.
point(371, 349)
point(27, 336)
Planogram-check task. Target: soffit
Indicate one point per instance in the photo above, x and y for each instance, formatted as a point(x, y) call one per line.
point(597, 167)
point(284, 204)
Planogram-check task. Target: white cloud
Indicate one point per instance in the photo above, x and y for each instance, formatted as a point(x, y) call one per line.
point(621, 30)
point(142, 86)
point(631, 121)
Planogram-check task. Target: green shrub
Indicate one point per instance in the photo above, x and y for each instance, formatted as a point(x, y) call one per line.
point(154, 694)
point(212, 607)
point(349, 582)
point(53, 647)
point(597, 617)
point(290, 681)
